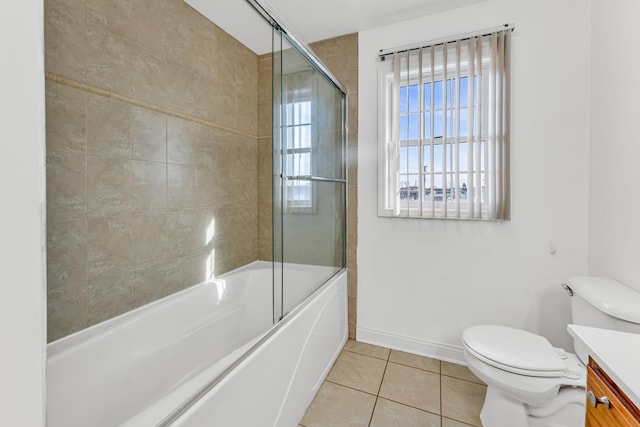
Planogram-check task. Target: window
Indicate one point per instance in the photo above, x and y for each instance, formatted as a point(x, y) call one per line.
point(444, 130)
point(299, 137)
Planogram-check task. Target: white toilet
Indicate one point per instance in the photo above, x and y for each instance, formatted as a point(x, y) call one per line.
point(531, 383)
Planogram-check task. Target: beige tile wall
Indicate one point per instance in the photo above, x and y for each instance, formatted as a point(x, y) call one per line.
point(143, 122)
point(152, 154)
point(264, 158)
point(341, 56)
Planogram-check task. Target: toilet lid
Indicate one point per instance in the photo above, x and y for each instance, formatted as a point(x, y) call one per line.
point(514, 350)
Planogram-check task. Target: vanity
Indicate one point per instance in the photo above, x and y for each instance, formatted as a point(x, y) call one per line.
point(613, 375)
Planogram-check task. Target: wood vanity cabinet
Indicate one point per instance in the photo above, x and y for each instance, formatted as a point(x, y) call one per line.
point(621, 411)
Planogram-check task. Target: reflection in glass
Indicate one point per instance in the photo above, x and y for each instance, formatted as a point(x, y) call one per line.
point(308, 149)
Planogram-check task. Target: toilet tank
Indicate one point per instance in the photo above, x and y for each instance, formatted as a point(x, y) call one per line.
point(602, 302)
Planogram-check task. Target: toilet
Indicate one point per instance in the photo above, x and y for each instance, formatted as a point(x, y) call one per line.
point(530, 383)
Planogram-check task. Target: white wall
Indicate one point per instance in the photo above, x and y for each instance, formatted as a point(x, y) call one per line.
point(22, 195)
point(422, 282)
point(614, 229)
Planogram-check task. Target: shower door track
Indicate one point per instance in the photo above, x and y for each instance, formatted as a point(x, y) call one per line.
point(270, 17)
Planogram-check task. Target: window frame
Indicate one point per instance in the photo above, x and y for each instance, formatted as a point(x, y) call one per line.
point(385, 145)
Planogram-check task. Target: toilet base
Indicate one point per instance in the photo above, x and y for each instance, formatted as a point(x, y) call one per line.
point(500, 410)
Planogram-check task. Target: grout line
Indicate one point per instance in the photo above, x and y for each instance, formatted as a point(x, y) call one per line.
point(56, 78)
point(166, 158)
point(362, 354)
point(414, 367)
point(352, 388)
point(373, 411)
point(463, 379)
point(379, 388)
point(440, 384)
point(459, 422)
point(85, 217)
point(378, 397)
point(411, 406)
point(388, 358)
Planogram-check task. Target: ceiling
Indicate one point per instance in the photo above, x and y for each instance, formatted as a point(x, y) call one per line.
point(313, 20)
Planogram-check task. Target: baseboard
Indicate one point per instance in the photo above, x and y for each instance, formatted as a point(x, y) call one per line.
point(436, 350)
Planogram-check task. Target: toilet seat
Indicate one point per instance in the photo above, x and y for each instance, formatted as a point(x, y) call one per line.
point(514, 350)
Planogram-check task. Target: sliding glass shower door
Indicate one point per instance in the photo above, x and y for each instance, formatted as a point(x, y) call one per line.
point(309, 182)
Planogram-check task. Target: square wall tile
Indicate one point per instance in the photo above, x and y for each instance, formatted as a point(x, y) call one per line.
point(149, 135)
point(66, 186)
point(66, 277)
point(108, 128)
point(149, 237)
point(66, 119)
point(66, 309)
point(157, 280)
point(180, 141)
point(149, 26)
point(191, 231)
point(109, 268)
point(109, 58)
point(180, 93)
point(108, 245)
point(114, 16)
point(66, 253)
point(149, 77)
point(109, 295)
point(180, 186)
point(109, 186)
point(149, 186)
point(64, 37)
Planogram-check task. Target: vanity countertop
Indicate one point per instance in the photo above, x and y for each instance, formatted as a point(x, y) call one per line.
point(618, 353)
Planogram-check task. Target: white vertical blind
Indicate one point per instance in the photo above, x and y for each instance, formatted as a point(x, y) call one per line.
point(432, 72)
point(395, 139)
point(447, 111)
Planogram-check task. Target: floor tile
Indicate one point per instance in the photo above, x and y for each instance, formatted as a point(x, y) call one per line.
point(358, 371)
point(392, 414)
point(411, 391)
point(459, 371)
point(447, 422)
point(462, 400)
point(337, 406)
point(367, 349)
point(412, 386)
point(415, 361)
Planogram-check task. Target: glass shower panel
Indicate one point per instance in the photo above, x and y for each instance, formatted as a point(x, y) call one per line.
point(279, 45)
point(311, 161)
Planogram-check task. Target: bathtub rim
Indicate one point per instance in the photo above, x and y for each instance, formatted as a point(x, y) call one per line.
point(59, 345)
point(210, 385)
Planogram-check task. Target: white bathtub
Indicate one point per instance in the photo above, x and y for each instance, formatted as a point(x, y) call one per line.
point(138, 368)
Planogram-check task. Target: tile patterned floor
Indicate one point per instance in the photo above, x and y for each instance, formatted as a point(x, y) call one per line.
point(372, 386)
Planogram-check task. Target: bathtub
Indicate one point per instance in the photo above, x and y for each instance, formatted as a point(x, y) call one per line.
point(206, 356)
